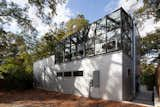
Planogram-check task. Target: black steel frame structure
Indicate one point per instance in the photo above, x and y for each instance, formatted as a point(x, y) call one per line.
point(111, 33)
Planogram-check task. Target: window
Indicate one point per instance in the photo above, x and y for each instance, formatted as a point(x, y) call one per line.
point(99, 43)
point(78, 73)
point(67, 50)
point(59, 74)
point(73, 51)
point(129, 72)
point(80, 44)
point(111, 45)
point(113, 40)
point(126, 44)
point(90, 41)
point(100, 39)
point(67, 74)
point(101, 26)
point(80, 50)
point(59, 53)
point(90, 47)
point(126, 22)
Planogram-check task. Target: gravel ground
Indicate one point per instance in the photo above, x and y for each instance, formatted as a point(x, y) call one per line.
point(41, 98)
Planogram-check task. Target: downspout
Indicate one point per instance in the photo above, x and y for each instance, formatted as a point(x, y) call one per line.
point(134, 59)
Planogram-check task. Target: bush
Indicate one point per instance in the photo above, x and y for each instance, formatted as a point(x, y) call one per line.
point(17, 72)
point(148, 76)
point(18, 80)
point(148, 80)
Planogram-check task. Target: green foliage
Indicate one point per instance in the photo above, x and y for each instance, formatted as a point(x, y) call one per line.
point(147, 75)
point(150, 7)
point(11, 12)
point(140, 10)
point(74, 25)
point(15, 61)
point(150, 42)
point(18, 71)
point(42, 4)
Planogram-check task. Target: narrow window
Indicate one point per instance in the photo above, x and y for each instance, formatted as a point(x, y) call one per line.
point(78, 73)
point(59, 74)
point(67, 74)
point(129, 72)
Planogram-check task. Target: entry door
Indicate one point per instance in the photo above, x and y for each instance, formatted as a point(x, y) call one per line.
point(95, 85)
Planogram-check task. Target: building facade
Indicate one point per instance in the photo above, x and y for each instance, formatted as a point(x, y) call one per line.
point(99, 61)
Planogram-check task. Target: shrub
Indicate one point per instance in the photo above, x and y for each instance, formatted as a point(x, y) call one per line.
point(17, 72)
point(147, 75)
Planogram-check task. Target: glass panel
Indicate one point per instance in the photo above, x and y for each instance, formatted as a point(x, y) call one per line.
point(101, 27)
point(101, 24)
point(67, 74)
point(78, 73)
point(126, 24)
point(80, 50)
point(92, 29)
point(67, 54)
point(59, 53)
point(111, 25)
point(113, 40)
point(74, 38)
point(73, 51)
point(99, 44)
point(113, 34)
point(115, 15)
point(59, 74)
point(126, 45)
point(90, 47)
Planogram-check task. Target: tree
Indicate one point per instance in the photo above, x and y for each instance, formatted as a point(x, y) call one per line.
point(74, 25)
point(150, 42)
point(10, 44)
point(15, 61)
point(10, 11)
point(46, 46)
point(150, 7)
point(147, 75)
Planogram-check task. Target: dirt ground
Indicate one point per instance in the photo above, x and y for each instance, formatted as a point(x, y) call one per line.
point(41, 98)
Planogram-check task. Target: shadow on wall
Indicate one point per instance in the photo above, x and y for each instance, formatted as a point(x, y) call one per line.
point(110, 76)
point(45, 77)
point(110, 79)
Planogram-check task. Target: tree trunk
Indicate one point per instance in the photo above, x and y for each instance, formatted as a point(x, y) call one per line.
point(158, 79)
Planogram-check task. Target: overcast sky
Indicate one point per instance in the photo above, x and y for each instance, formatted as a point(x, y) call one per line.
point(91, 9)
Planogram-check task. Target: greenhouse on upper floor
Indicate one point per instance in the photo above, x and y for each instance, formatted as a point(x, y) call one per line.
point(110, 33)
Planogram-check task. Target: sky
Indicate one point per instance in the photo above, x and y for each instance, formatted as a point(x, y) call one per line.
point(91, 9)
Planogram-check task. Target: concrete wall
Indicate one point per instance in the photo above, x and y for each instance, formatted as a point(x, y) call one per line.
point(110, 68)
point(127, 78)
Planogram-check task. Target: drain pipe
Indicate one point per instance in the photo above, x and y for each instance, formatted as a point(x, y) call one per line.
point(134, 59)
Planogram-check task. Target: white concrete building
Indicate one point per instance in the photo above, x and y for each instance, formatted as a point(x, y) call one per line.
point(100, 61)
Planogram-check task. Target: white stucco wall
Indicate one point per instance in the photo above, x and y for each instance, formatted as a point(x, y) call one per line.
point(110, 68)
